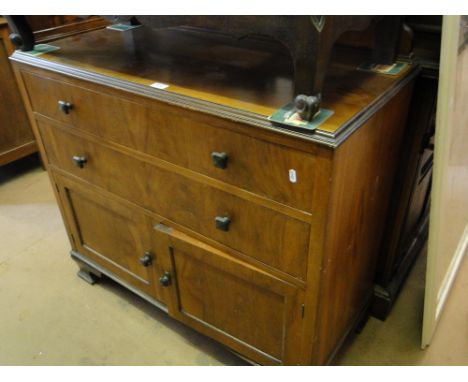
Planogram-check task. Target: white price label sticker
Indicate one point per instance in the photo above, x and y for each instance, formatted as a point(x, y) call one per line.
point(292, 176)
point(159, 85)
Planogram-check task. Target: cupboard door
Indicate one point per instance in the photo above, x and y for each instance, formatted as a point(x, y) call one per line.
point(111, 234)
point(251, 311)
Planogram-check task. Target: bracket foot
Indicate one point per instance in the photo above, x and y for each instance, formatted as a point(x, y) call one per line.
point(87, 276)
point(86, 272)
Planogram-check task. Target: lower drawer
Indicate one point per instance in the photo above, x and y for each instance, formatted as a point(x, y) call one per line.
point(271, 237)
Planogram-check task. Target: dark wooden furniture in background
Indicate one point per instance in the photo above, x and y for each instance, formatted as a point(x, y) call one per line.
point(50, 28)
point(16, 137)
point(260, 237)
point(407, 228)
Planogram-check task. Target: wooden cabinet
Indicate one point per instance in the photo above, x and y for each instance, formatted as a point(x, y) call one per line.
point(186, 197)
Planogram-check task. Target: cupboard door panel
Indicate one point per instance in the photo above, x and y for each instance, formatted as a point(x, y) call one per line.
point(237, 304)
point(111, 234)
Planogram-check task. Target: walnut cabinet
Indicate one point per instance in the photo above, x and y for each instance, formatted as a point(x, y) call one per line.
point(184, 194)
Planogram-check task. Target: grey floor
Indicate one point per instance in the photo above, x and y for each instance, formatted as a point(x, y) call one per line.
point(51, 317)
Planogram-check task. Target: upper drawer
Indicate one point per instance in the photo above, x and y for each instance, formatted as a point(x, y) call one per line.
point(175, 135)
point(257, 231)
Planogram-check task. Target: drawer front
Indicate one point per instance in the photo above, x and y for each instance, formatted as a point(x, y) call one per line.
point(164, 131)
point(112, 235)
point(264, 234)
point(267, 169)
point(106, 116)
point(239, 305)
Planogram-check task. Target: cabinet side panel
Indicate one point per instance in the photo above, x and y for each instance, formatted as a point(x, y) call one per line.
point(363, 175)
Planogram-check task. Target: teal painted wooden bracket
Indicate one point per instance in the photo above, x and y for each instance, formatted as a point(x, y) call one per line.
point(288, 116)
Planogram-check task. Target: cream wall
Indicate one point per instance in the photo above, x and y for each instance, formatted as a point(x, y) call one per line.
point(448, 230)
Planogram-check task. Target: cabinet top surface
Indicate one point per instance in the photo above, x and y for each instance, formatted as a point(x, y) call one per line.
point(252, 76)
